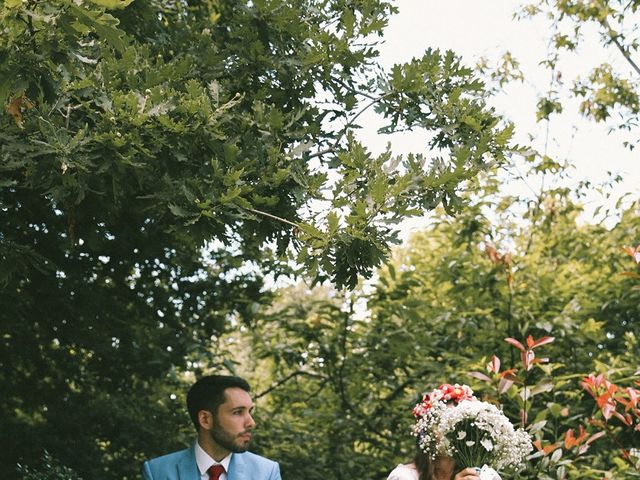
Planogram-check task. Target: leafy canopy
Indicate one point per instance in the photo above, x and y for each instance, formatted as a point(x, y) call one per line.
point(157, 158)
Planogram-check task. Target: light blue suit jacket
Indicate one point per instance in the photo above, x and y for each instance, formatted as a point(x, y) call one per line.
point(182, 466)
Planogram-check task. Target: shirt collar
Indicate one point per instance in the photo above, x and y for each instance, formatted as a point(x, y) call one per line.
point(204, 461)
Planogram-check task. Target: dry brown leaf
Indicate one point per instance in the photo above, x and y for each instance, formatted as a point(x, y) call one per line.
point(17, 106)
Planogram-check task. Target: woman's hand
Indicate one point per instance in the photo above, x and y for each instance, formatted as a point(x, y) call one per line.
point(467, 474)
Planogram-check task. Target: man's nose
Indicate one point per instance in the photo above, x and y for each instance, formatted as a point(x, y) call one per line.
point(250, 422)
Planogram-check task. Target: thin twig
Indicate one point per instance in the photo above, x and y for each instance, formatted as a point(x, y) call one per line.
point(625, 53)
point(353, 90)
point(314, 394)
point(544, 153)
point(334, 147)
point(273, 217)
point(322, 152)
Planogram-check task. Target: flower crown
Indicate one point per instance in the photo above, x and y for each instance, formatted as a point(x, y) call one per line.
point(444, 394)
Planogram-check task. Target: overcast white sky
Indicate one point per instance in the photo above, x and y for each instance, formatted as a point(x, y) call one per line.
point(476, 28)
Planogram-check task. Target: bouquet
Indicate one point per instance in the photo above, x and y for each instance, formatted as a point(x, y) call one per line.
point(452, 422)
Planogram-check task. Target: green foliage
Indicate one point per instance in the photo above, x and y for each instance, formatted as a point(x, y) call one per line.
point(547, 107)
point(347, 370)
point(604, 92)
point(607, 93)
point(506, 70)
point(50, 470)
point(157, 159)
point(207, 144)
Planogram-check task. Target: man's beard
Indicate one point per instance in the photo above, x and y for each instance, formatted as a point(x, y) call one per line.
point(228, 441)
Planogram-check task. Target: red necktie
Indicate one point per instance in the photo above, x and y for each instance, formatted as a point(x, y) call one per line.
point(215, 471)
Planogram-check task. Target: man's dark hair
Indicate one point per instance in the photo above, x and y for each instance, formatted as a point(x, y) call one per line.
point(208, 394)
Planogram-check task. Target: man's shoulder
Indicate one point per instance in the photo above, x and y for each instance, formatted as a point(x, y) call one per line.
point(255, 459)
point(180, 464)
point(250, 466)
point(170, 458)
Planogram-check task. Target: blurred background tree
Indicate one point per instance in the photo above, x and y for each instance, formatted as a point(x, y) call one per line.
point(165, 165)
point(347, 370)
point(158, 160)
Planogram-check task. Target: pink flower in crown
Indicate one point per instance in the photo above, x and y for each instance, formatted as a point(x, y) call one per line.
point(445, 394)
point(456, 392)
point(422, 408)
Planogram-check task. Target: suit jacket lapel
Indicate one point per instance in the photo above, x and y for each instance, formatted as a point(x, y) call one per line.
point(236, 468)
point(187, 466)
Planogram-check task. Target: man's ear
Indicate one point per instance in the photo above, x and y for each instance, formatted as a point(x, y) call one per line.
point(205, 419)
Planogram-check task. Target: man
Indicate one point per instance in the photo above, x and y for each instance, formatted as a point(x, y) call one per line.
point(221, 409)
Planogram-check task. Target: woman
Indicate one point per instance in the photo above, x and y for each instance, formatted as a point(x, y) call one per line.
point(423, 468)
point(428, 465)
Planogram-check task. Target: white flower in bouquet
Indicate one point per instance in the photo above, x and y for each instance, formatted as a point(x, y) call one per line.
point(477, 433)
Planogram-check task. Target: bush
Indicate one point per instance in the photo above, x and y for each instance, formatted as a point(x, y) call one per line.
point(50, 469)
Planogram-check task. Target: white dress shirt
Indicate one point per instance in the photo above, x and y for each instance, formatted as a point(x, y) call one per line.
point(205, 462)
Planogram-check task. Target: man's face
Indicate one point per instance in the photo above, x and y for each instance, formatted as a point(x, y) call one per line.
point(233, 422)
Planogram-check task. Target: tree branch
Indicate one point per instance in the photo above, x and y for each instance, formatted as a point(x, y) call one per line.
point(334, 147)
point(625, 53)
point(284, 380)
